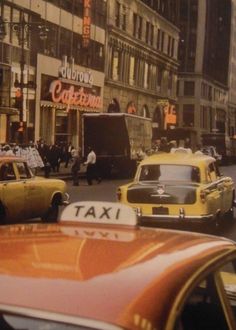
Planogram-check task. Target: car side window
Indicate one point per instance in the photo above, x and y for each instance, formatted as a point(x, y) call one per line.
point(23, 170)
point(228, 276)
point(211, 174)
point(203, 309)
point(7, 172)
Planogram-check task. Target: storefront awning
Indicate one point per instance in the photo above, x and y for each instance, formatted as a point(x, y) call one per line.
point(9, 111)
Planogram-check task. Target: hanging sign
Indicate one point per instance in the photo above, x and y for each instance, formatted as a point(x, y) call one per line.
point(86, 23)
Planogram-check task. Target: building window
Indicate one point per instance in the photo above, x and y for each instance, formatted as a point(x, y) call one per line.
point(189, 87)
point(188, 115)
point(116, 62)
point(146, 75)
point(137, 27)
point(204, 117)
point(149, 33)
point(159, 78)
point(220, 120)
point(117, 14)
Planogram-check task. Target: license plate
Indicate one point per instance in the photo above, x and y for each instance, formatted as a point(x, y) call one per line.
point(160, 210)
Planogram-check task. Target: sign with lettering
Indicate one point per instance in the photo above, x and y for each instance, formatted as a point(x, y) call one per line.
point(73, 96)
point(68, 71)
point(99, 213)
point(86, 23)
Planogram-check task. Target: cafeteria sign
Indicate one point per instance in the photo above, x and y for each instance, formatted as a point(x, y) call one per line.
point(73, 96)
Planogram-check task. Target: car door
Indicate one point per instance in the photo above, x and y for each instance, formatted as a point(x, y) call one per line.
point(12, 193)
point(33, 191)
point(216, 189)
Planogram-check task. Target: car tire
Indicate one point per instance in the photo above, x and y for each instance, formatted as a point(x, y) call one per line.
point(52, 213)
point(229, 215)
point(2, 215)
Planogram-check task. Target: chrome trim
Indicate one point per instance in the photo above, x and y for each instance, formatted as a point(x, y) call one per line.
point(57, 317)
point(66, 199)
point(177, 217)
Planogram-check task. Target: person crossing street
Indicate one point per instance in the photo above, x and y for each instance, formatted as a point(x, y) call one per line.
point(92, 170)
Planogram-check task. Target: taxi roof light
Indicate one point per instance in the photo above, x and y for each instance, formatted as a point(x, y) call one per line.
point(97, 212)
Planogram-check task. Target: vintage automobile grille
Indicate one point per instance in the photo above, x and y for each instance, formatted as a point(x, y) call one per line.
point(173, 194)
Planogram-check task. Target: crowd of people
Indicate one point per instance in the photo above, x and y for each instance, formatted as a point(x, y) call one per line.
point(50, 158)
point(40, 155)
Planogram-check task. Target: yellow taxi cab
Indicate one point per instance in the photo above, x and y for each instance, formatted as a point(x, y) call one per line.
point(25, 196)
point(180, 188)
point(97, 269)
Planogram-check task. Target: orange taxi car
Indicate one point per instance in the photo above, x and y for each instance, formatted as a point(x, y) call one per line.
point(96, 269)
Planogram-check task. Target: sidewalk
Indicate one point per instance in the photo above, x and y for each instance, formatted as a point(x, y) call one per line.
point(64, 172)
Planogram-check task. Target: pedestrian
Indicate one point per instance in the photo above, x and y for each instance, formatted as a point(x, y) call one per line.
point(92, 171)
point(68, 154)
point(75, 168)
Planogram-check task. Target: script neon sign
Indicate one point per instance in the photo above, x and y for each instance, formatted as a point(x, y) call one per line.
point(73, 97)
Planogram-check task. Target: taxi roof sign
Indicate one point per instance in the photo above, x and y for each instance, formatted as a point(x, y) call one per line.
point(99, 213)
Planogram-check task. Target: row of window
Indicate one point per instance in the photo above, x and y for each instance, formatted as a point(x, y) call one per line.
point(58, 42)
point(145, 31)
point(166, 8)
point(136, 70)
point(207, 116)
point(207, 92)
point(76, 7)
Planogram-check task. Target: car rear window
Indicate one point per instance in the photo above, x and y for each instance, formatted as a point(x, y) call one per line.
point(169, 172)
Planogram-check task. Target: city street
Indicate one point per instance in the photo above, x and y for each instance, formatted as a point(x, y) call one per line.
point(106, 191)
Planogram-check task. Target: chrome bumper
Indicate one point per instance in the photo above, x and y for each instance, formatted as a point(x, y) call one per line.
point(66, 199)
point(181, 218)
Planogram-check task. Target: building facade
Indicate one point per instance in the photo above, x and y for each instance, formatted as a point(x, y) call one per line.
point(203, 80)
point(141, 64)
point(60, 75)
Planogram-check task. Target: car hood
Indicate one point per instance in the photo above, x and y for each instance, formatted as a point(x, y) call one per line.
point(101, 273)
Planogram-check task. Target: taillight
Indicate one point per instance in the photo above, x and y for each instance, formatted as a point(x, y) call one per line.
point(118, 194)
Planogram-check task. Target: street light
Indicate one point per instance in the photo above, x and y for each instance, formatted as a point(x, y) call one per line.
point(22, 29)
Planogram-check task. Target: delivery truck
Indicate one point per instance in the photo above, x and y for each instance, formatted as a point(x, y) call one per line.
point(117, 139)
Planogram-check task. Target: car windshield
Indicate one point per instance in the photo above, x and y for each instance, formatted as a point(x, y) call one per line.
point(168, 172)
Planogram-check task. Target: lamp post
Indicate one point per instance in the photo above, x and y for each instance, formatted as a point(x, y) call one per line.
point(22, 29)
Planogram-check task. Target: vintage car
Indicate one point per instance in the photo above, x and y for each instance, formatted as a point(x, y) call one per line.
point(96, 269)
point(25, 196)
point(211, 151)
point(180, 188)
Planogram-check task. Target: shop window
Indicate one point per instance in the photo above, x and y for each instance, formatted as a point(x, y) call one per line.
point(131, 108)
point(188, 115)
point(113, 106)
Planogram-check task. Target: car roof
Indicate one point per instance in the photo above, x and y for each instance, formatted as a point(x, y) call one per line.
point(113, 274)
point(11, 158)
point(178, 159)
